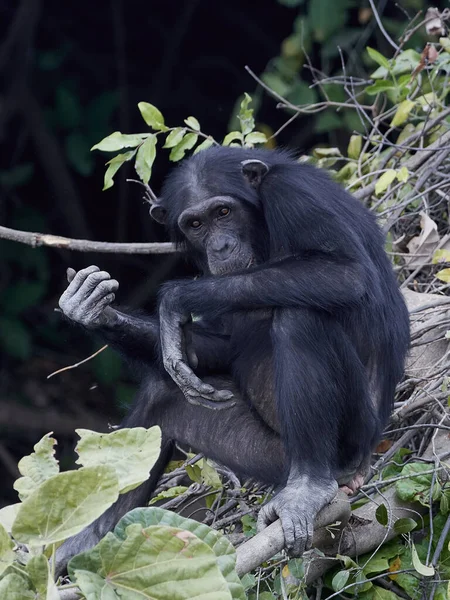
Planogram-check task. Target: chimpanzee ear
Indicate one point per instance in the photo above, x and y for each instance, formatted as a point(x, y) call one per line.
point(158, 213)
point(254, 171)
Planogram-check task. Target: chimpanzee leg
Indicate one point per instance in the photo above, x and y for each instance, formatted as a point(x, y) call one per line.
point(326, 416)
point(237, 438)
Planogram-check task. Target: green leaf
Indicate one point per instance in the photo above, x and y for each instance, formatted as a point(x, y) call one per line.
point(443, 275)
point(37, 467)
point(377, 564)
point(210, 476)
point(230, 137)
point(354, 147)
point(188, 142)
point(339, 580)
point(204, 145)
point(65, 504)
point(379, 593)
point(441, 256)
point(7, 555)
point(131, 452)
point(382, 515)
point(403, 175)
point(245, 115)
point(402, 112)
point(379, 86)
point(192, 123)
point(194, 473)
point(224, 551)
point(15, 587)
point(38, 570)
point(256, 137)
point(385, 181)
point(152, 116)
point(419, 566)
point(378, 58)
point(15, 339)
point(118, 141)
point(114, 165)
point(8, 515)
point(172, 492)
point(416, 486)
point(174, 137)
point(276, 83)
point(145, 158)
point(326, 152)
point(445, 43)
point(404, 525)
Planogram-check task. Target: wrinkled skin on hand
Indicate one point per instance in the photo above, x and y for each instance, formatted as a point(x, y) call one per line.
point(296, 506)
point(172, 318)
point(88, 297)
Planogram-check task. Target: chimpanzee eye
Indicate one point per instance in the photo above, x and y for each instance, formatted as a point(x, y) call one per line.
point(195, 224)
point(224, 211)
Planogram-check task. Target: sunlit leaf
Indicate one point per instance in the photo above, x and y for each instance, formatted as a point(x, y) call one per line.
point(231, 137)
point(403, 175)
point(255, 137)
point(245, 115)
point(204, 145)
point(174, 137)
point(152, 116)
point(188, 142)
point(339, 580)
point(192, 123)
point(118, 141)
point(38, 570)
point(354, 147)
point(378, 58)
point(37, 467)
point(378, 87)
point(65, 504)
point(131, 452)
point(172, 492)
point(443, 275)
point(402, 112)
point(404, 525)
point(419, 566)
point(385, 181)
point(145, 158)
point(114, 165)
point(6, 550)
point(441, 256)
point(15, 587)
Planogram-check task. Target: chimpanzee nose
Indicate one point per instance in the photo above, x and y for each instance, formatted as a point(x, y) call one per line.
point(223, 246)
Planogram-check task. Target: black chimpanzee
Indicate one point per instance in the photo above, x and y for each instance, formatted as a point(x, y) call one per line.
point(297, 317)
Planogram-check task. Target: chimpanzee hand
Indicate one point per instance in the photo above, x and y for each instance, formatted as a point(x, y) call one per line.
point(296, 506)
point(88, 297)
point(172, 318)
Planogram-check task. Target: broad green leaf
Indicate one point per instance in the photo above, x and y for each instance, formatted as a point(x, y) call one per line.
point(188, 142)
point(37, 467)
point(404, 525)
point(192, 123)
point(204, 145)
point(224, 551)
point(194, 473)
point(245, 115)
point(377, 564)
point(8, 515)
point(118, 141)
point(417, 486)
point(349, 563)
point(403, 175)
point(405, 62)
point(385, 181)
point(382, 515)
point(7, 555)
point(231, 137)
point(15, 587)
point(379, 86)
point(443, 275)
point(174, 137)
point(402, 113)
point(445, 43)
point(441, 256)
point(145, 158)
point(256, 137)
point(210, 476)
point(65, 504)
point(405, 133)
point(172, 492)
point(158, 562)
point(346, 172)
point(38, 570)
point(131, 452)
point(354, 147)
point(379, 593)
point(339, 580)
point(419, 566)
point(378, 58)
point(114, 165)
point(152, 116)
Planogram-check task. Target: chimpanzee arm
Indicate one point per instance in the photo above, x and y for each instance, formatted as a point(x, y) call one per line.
point(314, 280)
point(87, 302)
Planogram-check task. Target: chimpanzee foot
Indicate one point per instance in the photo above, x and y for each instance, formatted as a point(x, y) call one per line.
point(296, 506)
point(353, 485)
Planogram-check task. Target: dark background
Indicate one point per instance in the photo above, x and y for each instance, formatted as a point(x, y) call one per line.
point(73, 72)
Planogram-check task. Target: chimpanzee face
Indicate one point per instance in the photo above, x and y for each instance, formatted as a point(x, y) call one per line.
point(220, 229)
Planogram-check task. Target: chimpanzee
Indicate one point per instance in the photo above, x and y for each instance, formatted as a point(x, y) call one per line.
point(297, 319)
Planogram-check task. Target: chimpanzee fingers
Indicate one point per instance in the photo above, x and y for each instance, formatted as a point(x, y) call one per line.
point(267, 515)
point(79, 278)
point(70, 274)
point(104, 288)
point(210, 404)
